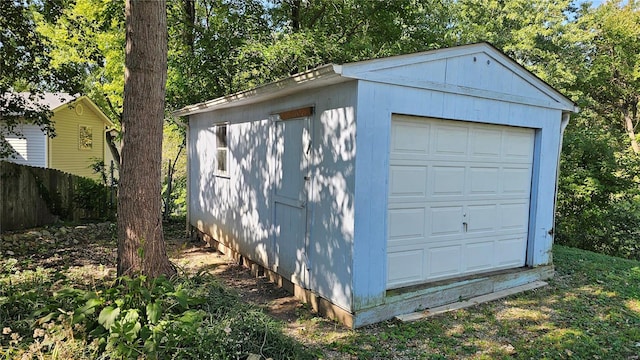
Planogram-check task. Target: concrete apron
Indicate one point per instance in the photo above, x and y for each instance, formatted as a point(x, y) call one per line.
point(430, 296)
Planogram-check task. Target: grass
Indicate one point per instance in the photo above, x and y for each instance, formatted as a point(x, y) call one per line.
point(590, 310)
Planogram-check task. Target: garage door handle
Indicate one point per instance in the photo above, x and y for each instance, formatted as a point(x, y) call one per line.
point(464, 226)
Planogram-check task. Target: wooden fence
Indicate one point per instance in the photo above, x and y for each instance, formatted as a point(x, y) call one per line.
point(31, 197)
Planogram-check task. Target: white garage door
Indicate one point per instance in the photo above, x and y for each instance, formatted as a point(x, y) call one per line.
point(458, 199)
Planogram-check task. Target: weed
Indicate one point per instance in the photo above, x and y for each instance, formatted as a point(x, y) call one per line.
point(130, 318)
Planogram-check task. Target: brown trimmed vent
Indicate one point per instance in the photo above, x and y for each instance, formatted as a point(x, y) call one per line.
point(297, 113)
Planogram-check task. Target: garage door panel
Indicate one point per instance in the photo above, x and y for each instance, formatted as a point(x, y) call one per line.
point(510, 251)
point(486, 143)
point(480, 255)
point(472, 183)
point(516, 181)
point(410, 137)
point(408, 181)
point(484, 180)
point(450, 140)
point(405, 267)
point(482, 218)
point(447, 180)
point(514, 216)
point(406, 223)
point(445, 220)
point(518, 145)
point(445, 260)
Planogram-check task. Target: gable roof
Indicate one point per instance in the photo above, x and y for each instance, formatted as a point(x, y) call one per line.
point(51, 100)
point(90, 104)
point(58, 101)
point(426, 70)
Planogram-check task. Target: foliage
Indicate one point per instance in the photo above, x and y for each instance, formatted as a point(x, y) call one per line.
point(612, 80)
point(88, 35)
point(205, 50)
point(598, 187)
point(25, 66)
point(589, 310)
point(598, 200)
point(47, 314)
point(174, 155)
point(97, 200)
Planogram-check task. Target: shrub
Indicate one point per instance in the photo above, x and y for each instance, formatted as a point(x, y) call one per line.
point(95, 199)
point(598, 198)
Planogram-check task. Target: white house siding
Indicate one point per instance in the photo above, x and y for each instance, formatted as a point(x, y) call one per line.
point(238, 209)
point(377, 101)
point(30, 147)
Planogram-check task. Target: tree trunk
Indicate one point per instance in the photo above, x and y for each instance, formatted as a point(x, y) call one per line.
point(111, 143)
point(628, 125)
point(189, 23)
point(295, 15)
point(141, 247)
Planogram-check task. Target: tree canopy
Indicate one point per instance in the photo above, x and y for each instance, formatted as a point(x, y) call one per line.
point(26, 71)
point(217, 47)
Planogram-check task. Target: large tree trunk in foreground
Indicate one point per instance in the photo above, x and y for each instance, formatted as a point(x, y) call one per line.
point(141, 247)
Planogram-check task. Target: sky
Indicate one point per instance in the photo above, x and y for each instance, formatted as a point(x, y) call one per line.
point(595, 3)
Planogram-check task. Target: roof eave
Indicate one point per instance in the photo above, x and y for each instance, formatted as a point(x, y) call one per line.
point(320, 76)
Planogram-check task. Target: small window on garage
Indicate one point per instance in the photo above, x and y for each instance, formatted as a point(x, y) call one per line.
point(222, 149)
point(85, 137)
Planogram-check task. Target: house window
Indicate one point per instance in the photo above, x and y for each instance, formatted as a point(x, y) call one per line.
point(222, 149)
point(85, 138)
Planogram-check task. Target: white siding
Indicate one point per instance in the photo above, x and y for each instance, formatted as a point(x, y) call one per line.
point(239, 209)
point(30, 148)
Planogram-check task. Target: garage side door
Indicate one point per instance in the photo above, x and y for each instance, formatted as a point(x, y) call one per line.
point(458, 199)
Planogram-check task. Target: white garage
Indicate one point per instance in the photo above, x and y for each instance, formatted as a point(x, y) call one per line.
point(382, 187)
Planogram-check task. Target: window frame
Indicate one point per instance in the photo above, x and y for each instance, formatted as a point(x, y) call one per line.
point(221, 144)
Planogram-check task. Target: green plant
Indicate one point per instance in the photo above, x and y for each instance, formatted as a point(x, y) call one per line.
point(129, 318)
point(52, 198)
point(95, 199)
point(161, 318)
point(598, 198)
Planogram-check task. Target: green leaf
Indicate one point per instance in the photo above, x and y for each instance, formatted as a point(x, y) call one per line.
point(182, 298)
point(191, 317)
point(108, 316)
point(154, 310)
point(90, 306)
point(130, 325)
point(46, 318)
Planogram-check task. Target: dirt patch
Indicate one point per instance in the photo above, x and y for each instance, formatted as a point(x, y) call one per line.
point(194, 257)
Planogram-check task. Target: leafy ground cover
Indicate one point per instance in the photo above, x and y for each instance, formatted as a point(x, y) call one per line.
point(590, 310)
point(59, 299)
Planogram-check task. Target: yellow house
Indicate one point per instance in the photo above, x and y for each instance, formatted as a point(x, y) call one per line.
point(80, 139)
